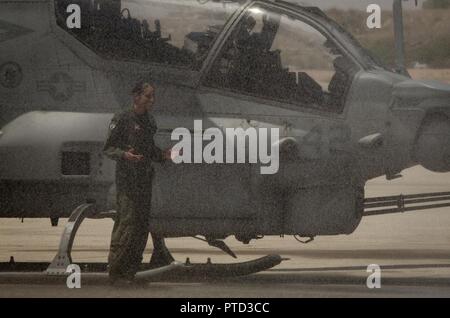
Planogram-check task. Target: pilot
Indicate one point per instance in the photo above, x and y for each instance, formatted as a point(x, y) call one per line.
point(130, 143)
point(244, 33)
point(243, 67)
point(341, 79)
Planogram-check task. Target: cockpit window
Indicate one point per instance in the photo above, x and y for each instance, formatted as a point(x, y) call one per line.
point(170, 32)
point(273, 55)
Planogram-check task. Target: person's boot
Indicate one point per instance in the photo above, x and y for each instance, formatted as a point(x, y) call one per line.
point(161, 255)
point(121, 281)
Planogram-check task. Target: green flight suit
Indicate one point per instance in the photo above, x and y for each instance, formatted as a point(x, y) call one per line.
point(129, 130)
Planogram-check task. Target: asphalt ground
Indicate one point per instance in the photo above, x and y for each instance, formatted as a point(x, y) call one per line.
point(411, 249)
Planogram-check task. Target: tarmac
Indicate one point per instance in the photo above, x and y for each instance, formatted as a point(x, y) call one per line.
point(411, 249)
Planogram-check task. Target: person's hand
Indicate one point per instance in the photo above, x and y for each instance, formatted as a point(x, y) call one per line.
point(169, 154)
point(131, 156)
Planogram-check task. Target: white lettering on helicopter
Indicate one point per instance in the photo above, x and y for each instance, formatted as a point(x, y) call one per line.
point(235, 139)
point(374, 20)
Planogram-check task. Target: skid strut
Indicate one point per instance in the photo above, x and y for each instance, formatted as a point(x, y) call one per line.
point(63, 258)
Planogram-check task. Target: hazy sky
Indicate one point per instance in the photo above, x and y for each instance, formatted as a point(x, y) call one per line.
point(354, 4)
point(323, 4)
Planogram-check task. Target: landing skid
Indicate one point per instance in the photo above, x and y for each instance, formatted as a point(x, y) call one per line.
point(58, 267)
point(97, 272)
point(210, 270)
point(151, 273)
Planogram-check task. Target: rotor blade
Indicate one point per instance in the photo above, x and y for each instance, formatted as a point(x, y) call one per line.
point(407, 196)
point(406, 203)
point(415, 208)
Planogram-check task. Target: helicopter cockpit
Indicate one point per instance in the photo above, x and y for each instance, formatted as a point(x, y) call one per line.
point(270, 53)
point(133, 30)
point(276, 56)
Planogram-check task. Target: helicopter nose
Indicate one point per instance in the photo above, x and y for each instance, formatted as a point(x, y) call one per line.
point(52, 161)
point(53, 145)
point(22, 151)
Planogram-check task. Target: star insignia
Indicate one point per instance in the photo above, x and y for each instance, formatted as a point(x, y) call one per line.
point(61, 86)
point(9, 31)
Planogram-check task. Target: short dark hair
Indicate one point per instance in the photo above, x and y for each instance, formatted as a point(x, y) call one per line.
point(139, 87)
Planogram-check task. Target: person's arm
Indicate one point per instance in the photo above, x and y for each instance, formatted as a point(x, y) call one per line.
point(115, 146)
point(156, 154)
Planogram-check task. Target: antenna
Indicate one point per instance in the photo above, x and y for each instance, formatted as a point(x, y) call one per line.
point(397, 12)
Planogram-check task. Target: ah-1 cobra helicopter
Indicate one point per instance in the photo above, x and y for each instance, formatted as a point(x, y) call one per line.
point(343, 117)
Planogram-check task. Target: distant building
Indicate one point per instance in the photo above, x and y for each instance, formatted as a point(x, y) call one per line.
point(419, 65)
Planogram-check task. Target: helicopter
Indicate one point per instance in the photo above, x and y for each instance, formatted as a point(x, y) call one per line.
point(343, 117)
